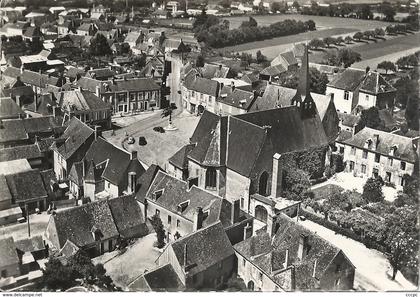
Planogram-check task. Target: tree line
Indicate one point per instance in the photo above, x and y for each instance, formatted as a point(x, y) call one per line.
point(214, 33)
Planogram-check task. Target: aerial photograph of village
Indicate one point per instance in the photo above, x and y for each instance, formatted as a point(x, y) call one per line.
point(209, 146)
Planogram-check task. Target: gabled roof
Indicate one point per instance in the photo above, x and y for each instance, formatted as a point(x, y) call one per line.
point(348, 80)
point(9, 108)
point(205, 248)
point(275, 70)
point(12, 130)
point(238, 98)
point(161, 279)
point(180, 158)
point(176, 192)
point(101, 73)
point(75, 136)
point(76, 173)
point(211, 70)
point(14, 166)
point(374, 83)
point(40, 124)
point(90, 84)
point(133, 37)
point(285, 59)
point(8, 252)
point(77, 100)
point(31, 151)
point(205, 86)
point(405, 148)
point(26, 185)
point(32, 32)
point(145, 180)
point(136, 84)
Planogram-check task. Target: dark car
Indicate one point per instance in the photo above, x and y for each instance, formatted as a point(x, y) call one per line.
point(159, 129)
point(142, 140)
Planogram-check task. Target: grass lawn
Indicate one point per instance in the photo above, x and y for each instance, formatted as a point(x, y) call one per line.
point(140, 256)
point(321, 21)
point(324, 191)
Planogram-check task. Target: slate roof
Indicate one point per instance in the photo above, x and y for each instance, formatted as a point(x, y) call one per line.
point(348, 80)
point(180, 158)
point(33, 244)
point(238, 98)
point(8, 252)
point(208, 121)
point(75, 136)
point(163, 279)
point(23, 91)
point(45, 124)
point(269, 254)
point(9, 108)
point(12, 130)
point(127, 215)
point(205, 86)
point(5, 194)
point(136, 84)
point(101, 73)
point(31, 151)
point(90, 84)
point(176, 192)
point(273, 70)
point(145, 180)
point(75, 224)
point(205, 248)
point(405, 148)
point(117, 164)
point(32, 78)
point(81, 101)
point(211, 71)
point(26, 185)
point(374, 83)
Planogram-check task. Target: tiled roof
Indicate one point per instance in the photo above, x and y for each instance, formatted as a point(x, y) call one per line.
point(32, 78)
point(348, 80)
point(12, 130)
point(208, 122)
point(180, 158)
point(76, 224)
point(136, 84)
point(274, 70)
point(40, 124)
point(211, 71)
point(81, 101)
point(163, 279)
point(8, 252)
point(176, 192)
point(238, 98)
point(75, 136)
point(31, 151)
point(24, 91)
point(374, 83)
point(405, 148)
point(145, 180)
point(285, 59)
point(33, 244)
point(127, 215)
point(90, 84)
point(101, 73)
point(9, 108)
point(32, 32)
point(205, 248)
point(26, 185)
point(44, 144)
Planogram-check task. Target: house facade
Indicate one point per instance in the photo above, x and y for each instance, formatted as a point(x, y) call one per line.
point(374, 153)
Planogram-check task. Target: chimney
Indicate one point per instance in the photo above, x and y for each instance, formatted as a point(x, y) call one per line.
point(367, 70)
point(198, 219)
point(220, 89)
point(18, 100)
point(235, 211)
point(36, 138)
point(83, 168)
point(247, 231)
point(232, 85)
point(303, 246)
point(21, 69)
point(1, 124)
point(97, 91)
point(277, 176)
point(54, 111)
point(286, 259)
point(132, 182)
point(96, 132)
point(133, 155)
point(376, 140)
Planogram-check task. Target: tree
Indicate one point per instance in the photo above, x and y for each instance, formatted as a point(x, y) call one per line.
point(358, 36)
point(401, 248)
point(387, 66)
point(199, 62)
point(347, 57)
point(372, 190)
point(388, 10)
point(412, 60)
point(160, 232)
point(168, 111)
point(316, 43)
point(296, 184)
point(364, 12)
point(260, 57)
point(296, 5)
point(348, 39)
point(329, 40)
point(368, 34)
point(99, 46)
point(370, 118)
point(411, 112)
point(319, 81)
point(402, 62)
point(236, 284)
point(390, 30)
point(250, 23)
point(379, 32)
point(310, 25)
point(57, 276)
point(276, 6)
point(339, 40)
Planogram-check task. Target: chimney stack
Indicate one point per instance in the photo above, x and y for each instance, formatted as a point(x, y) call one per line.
point(376, 140)
point(277, 176)
point(97, 91)
point(96, 132)
point(133, 155)
point(303, 246)
point(18, 100)
point(54, 111)
point(198, 219)
point(235, 211)
point(286, 259)
point(247, 231)
point(232, 85)
point(132, 182)
point(83, 168)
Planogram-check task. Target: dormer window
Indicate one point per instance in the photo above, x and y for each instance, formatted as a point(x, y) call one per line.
point(369, 143)
point(156, 194)
point(182, 206)
point(393, 150)
point(346, 95)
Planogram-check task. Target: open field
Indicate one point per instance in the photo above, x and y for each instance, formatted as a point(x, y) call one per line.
point(322, 22)
point(372, 63)
point(372, 52)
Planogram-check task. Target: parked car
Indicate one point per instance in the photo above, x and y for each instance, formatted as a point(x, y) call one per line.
point(142, 140)
point(159, 129)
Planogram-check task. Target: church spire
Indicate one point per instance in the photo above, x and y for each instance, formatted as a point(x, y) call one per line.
point(304, 78)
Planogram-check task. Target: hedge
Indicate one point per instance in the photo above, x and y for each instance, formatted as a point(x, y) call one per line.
point(343, 231)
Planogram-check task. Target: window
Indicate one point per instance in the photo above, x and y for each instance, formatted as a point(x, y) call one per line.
point(169, 219)
point(243, 262)
point(388, 177)
point(365, 154)
point(375, 172)
point(242, 202)
point(261, 276)
point(402, 165)
point(210, 99)
point(390, 161)
point(353, 150)
point(367, 97)
point(341, 150)
point(178, 223)
point(337, 282)
point(377, 158)
point(262, 185)
point(364, 169)
point(109, 185)
point(351, 165)
point(346, 95)
point(211, 178)
point(157, 212)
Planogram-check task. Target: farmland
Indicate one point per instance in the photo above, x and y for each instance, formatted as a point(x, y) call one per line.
point(322, 22)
